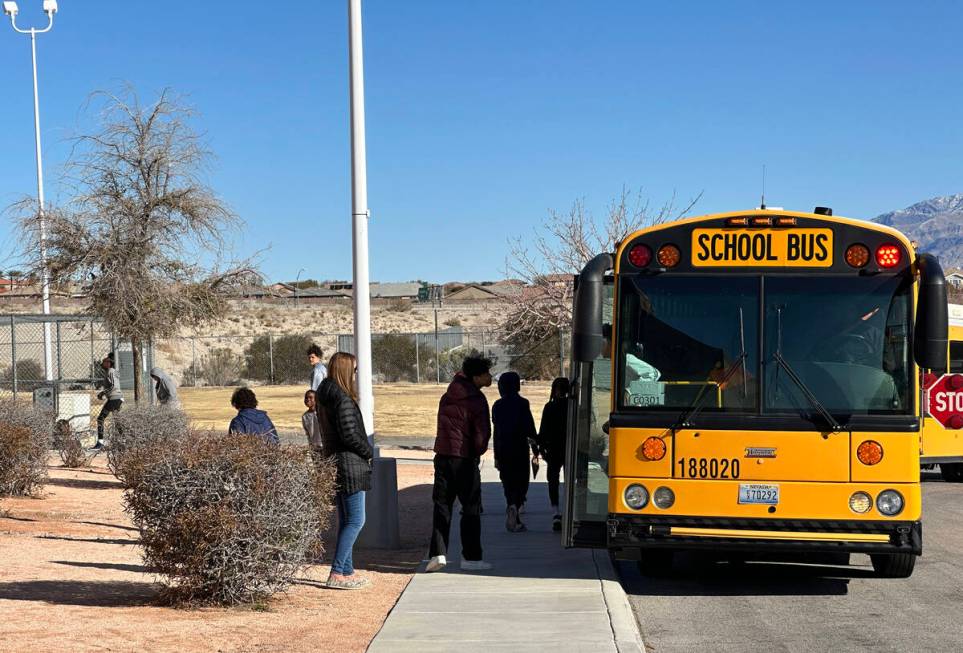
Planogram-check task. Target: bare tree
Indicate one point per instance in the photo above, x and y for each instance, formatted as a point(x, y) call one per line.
point(558, 250)
point(144, 235)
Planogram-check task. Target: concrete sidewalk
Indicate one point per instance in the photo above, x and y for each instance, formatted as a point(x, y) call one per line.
point(538, 597)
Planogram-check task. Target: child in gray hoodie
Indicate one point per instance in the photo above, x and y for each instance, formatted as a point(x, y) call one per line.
point(111, 390)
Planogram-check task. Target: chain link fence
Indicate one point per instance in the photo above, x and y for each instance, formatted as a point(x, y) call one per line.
point(432, 357)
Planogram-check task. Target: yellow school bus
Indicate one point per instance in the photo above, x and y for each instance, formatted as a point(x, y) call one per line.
point(941, 446)
point(750, 382)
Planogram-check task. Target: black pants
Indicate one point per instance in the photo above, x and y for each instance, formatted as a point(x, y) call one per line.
point(457, 477)
point(514, 474)
point(552, 473)
point(112, 406)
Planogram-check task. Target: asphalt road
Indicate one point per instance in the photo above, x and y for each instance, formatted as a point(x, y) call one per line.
point(714, 606)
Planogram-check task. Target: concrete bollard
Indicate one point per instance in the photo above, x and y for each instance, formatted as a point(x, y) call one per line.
point(381, 507)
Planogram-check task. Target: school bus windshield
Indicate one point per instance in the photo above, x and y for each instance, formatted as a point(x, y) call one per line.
point(845, 338)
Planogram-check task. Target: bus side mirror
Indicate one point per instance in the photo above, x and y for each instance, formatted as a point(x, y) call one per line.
point(587, 315)
point(930, 337)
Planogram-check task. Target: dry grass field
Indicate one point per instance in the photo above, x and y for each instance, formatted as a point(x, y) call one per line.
point(400, 409)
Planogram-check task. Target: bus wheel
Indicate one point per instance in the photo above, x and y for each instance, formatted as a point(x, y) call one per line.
point(952, 472)
point(656, 562)
point(893, 565)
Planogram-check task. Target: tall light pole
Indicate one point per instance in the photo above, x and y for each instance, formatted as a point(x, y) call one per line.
point(359, 219)
point(297, 281)
point(50, 8)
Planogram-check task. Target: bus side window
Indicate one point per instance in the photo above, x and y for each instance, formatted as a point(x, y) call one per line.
point(956, 356)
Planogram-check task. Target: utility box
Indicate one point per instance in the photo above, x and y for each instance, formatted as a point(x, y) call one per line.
point(71, 406)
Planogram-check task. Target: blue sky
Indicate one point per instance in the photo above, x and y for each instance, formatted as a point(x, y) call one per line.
point(482, 116)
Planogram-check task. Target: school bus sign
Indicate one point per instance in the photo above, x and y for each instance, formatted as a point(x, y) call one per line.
point(945, 401)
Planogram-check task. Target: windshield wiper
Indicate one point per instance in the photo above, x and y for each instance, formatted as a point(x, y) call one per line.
point(696, 405)
point(791, 373)
point(807, 392)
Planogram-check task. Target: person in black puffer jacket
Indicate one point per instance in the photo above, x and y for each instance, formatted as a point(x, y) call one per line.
point(344, 438)
point(551, 441)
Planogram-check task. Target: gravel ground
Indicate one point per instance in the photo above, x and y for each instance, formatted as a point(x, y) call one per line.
point(72, 579)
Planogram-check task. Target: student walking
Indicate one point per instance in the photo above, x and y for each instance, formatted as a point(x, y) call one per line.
point(464, 430)
point(111, 391)
point(249, 420)
point(164, 388)
point(344, 437)
point(514, 433)
point(551, 442)
point(318, 370)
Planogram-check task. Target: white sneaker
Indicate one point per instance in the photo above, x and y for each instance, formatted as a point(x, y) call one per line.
point(475, 565)
point(436, 564)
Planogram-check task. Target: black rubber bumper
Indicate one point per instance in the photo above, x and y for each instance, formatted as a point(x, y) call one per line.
point(631, 532)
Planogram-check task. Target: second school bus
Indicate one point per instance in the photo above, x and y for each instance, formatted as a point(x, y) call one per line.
point(750, 382)
point(942, 446)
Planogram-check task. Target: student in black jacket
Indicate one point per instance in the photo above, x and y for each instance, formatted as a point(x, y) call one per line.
point(343, 437)
point(514, 433)
point(551, 441)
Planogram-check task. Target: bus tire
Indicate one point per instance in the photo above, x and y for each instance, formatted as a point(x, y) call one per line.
point(656, 563)
point(893, 565)
point(952, 472)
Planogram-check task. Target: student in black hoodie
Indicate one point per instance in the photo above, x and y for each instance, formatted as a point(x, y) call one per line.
point(514, 433)
point(345, 439)
point(551, 441)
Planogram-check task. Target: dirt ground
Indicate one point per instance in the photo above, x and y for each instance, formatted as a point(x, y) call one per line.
point(71, 579)
point(400, 409)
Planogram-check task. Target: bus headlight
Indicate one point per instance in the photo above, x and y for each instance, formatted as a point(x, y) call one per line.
point(635, 497)
point(860, 502)
point(663, 497)
point(889, 502)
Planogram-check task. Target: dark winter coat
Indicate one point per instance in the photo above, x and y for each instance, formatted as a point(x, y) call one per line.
point(343, 437)
point(514, 424)
point(252, 421)
point(552, 431)
point(464, 424)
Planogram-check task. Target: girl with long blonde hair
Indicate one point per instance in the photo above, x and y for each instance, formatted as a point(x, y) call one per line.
point(345, 439)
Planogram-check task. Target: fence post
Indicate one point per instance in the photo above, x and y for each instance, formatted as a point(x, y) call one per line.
point(13, 353)
point(194, 359)
point(271, 355)
point(417, 362)
point(483, 352)
point(90, 368)
point(437, 353)
point(561, 353)
point(60, 369)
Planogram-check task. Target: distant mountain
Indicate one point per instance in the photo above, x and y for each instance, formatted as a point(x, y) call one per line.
point(936, 224)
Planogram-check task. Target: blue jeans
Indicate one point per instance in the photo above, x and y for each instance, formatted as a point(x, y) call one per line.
point(350, 521)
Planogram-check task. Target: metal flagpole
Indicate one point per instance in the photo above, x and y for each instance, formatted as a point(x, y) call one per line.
point(359, 219)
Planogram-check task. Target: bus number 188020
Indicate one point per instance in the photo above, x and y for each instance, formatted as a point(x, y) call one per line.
point(708, 468)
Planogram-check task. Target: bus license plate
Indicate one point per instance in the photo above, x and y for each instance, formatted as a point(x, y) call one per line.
point(758, 493)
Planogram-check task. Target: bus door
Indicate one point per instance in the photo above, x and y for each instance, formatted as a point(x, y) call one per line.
point(586, 463)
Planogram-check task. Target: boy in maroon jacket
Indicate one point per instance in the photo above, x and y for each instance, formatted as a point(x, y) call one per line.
point(464, 429)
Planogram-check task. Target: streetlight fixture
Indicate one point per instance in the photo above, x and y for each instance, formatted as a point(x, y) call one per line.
point(297, 281)
point(50, 8)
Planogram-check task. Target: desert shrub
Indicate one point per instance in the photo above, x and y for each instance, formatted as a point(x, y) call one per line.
point(30, 376)
point(221, 367)
point(228, 519)
point(290, 359)
point(400, 305)
point(68, 445)
point(453, 322)
point(24, 442)
point(394, 358)
point(536, 358)
point(135, 431)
